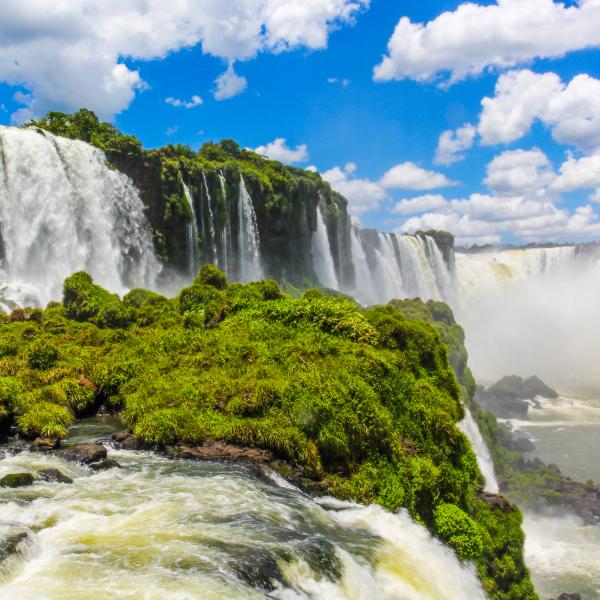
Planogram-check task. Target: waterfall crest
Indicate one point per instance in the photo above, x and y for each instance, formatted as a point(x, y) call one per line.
point(322, 258)
point(192, 231)
point(63, 210)
point(248, 238)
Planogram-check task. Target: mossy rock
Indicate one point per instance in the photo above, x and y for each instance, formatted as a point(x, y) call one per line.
point(15, 480)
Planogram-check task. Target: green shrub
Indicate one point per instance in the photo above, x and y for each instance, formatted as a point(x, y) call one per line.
point(211, 275)
point(46, 419)
point(460, 531)
point(82, 298)
point(41, 354)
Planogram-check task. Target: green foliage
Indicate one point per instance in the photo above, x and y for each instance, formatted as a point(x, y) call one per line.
point(41, 354)
point(46, 419)
point(460, 531)
point(211, 275)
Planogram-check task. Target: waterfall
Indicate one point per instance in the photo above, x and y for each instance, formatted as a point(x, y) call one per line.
point(63, 210)
point(322, 258)
point(486, 465)
point(211, 222)
point(225, 231)
point(363, 288)
point(192, 231)
point(248, 238)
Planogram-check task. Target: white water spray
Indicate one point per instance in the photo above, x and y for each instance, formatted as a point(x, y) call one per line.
point(248, 237)
point(192, 231)
point(63, 210)
point(322, 258)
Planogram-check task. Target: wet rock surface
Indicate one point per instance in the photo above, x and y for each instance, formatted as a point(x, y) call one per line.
point(125, 441)
point(220, 451)
point(104, 465)
point(12, 544)
point(42, 444)
point(569, 597)
point(15, 480)
point(83, 453)
point(53, 475)
point(497, 501)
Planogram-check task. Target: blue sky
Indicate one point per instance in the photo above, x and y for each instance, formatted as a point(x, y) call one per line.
point(314, 74)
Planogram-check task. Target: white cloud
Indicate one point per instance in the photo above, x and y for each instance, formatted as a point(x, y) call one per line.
point(503, 34)
point(572, 111)
point(172, 130)
point(484, 219)
point(279, 150)
point(409, 176)
point(419, 204)
point(342, 82)
point(195, 101)
point(363, 195)
point(452, 143)
point(579, 174)
point(525, 172)
point(70, 54)
point(312, 169)
point(230, 84)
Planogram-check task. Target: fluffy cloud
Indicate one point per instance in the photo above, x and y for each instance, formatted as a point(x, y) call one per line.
point(453, 143)
point(526, 172)
point(419, 204)
point(484, 219)
point(571, 112)
point(230, 84)
point(70, 54)
point(409, 176)
point(578, 174)
point(363, 195)
point(195, 101)
point(279, 150)
point(473, 37)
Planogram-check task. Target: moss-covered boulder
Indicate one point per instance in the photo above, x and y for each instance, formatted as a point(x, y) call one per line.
point(15, 480)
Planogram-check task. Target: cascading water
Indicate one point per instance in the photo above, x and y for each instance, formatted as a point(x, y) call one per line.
point(63, 210)
point(225, 231)
point(248, 238)
point(192, 231)
point(322, 258)
point(158, 529)
point(486, 465)
point(211, 222)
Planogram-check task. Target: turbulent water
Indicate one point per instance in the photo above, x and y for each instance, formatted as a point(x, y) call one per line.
point(159, 529)
point(63, 210)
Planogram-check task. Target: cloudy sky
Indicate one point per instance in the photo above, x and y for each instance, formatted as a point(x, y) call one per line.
point(481, 118)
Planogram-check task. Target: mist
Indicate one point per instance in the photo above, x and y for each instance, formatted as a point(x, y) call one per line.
point(519, 322)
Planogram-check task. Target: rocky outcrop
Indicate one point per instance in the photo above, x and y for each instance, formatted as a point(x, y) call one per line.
point(83, 453)
point(220, 451)
point(42, 444)
point(104, 465)
point(512, 396)
point(53, 476)
point(15, 480)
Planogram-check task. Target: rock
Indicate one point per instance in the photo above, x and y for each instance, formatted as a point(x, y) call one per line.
point(126, 441)
point(12, 544)
point(83, 453)
point(42, 444)
point(53, 475)
point(496, 501)
point(220, 451)
point(15, 480)
point(523, 445)
point(569, 597)
point(107, 463)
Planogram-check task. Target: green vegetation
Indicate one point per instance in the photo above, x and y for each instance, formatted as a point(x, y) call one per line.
point(365, 402)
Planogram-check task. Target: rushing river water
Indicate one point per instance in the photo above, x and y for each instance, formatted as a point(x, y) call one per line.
point(162, 529)
point(561, 552)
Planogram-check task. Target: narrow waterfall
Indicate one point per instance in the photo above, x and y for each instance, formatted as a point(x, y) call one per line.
point(63, 210)
point(322, 258)
point(486, 465)
point(363, 289)
point(225, 231)
point(248, 237)
point(192, 231)
point(212, 251)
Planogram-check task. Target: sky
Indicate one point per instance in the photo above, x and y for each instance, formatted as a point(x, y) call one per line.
point(479, 118)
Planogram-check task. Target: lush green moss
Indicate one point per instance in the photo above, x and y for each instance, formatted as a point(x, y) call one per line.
point(364, 401)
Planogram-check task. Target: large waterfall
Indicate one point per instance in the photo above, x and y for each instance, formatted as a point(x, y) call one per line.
point(248, 237)
point(322, 258)
point(63, 210)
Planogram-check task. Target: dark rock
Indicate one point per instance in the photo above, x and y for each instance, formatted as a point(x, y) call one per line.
point(107, 463)
point(220, 451)
point(523, 445)
point(83, 453)
point(15, 480)
point(12, 544)
point(42, 444)
point(569, 597)
point(54, 475)
point(497, 501)
point(126, 441)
